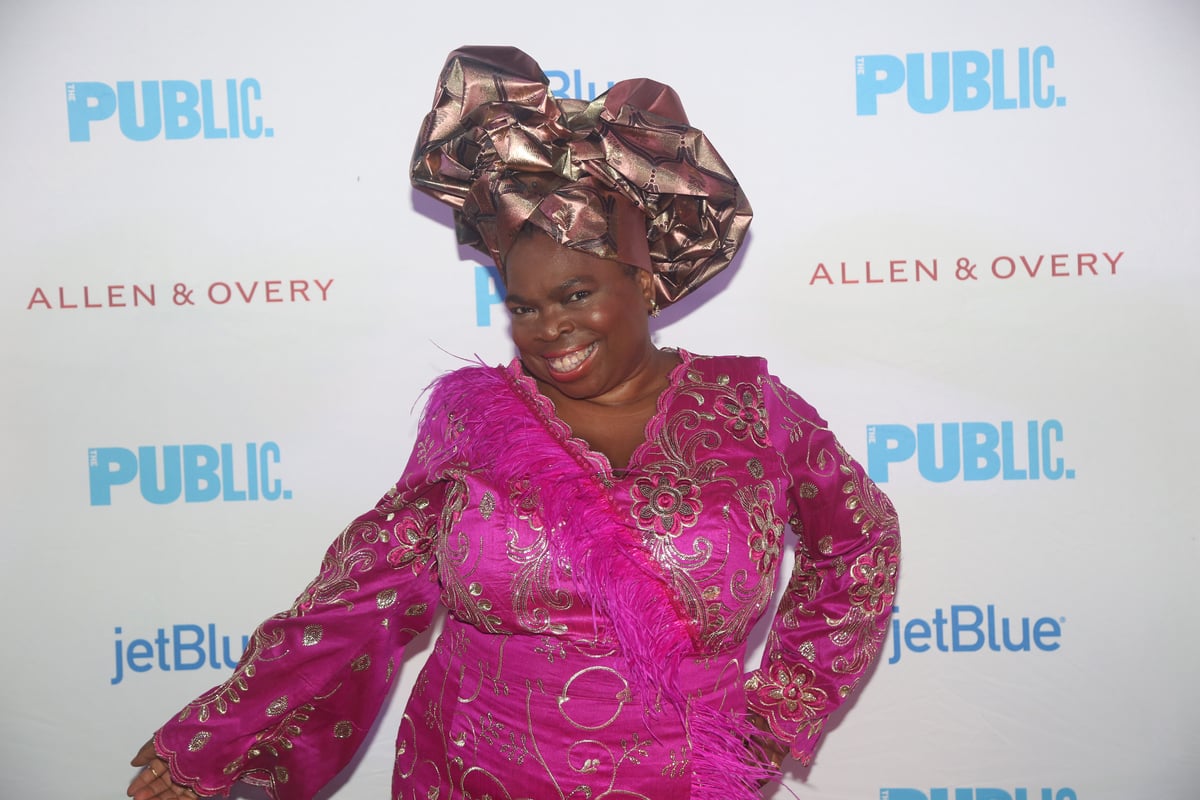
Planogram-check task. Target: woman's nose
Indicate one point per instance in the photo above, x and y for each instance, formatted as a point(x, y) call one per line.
point(554, 323)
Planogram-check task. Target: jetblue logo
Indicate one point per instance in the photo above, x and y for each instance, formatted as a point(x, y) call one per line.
point(571, 85)
point(977, 794)
point(963, 80)
point(178, 648)
point(146, 110)
point(197, 473)
point(970, 629)
point(974, 451)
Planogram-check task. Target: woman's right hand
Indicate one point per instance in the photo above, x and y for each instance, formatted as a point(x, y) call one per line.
point(154, 781)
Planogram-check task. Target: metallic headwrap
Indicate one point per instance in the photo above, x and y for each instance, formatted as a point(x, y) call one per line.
point(624, 177)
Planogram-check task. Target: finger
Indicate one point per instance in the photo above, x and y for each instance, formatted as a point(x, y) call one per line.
point(154, 781)
point(145, 785)
point(145, 754)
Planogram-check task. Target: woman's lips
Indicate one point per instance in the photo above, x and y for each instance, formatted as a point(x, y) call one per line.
point(562, 366)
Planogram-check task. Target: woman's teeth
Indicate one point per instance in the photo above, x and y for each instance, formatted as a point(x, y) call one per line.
point(570, 361)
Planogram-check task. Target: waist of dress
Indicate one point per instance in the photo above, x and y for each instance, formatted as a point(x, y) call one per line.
point(576, 669)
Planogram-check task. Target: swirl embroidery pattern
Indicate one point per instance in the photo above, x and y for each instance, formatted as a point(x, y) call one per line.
point(528, 691)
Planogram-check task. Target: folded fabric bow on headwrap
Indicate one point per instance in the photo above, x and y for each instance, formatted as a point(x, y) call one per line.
point(623, 177)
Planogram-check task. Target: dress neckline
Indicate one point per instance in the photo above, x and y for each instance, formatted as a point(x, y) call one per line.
point(580, 448)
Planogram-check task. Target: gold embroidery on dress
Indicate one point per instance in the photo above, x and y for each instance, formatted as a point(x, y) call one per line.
point(668, 499)
point(551, 647)
point(312, 635)
point(590, 677)
point(453, 552)
point(507, 742)
point(537, 589)
point(872, 509)
point(860, 630)
point(487, 504)
point(678, 764)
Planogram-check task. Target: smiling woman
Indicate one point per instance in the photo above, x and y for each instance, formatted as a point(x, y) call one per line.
point(603, 519)
point(580, 324)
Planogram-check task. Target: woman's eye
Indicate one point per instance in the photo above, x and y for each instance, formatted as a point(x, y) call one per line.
point(580, 295)
point(519, 311)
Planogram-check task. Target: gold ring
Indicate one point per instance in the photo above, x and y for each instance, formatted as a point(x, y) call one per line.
point(152, 769)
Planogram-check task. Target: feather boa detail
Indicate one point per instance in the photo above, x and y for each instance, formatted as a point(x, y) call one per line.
point(499, 429)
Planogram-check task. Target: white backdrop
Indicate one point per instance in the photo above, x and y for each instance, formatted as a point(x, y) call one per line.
point(1056, 292)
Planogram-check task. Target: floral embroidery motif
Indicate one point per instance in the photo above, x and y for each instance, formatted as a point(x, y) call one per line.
point(789, 691)
point(668, 503)
point(745, 412)
point(416, 538)
point(862, 628)
point(874, 576)
point(766, 529)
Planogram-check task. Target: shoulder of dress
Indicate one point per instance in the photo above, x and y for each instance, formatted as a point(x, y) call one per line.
point(740, 365)
point(470, 375)
point(718, 361)
point(464, 390)
point(754, 369)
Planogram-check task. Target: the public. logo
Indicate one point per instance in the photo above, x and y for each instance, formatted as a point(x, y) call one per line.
point(965, 628)
point(982, 793)
point(178, 648)
point(195, 473)
point(489, 291)
point(962, 80)
point(171, 109)
point(974, 451)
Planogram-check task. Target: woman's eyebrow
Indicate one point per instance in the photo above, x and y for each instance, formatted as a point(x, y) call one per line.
point(563, 287)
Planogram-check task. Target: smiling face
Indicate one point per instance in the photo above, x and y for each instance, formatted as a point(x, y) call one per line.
point(579, 321)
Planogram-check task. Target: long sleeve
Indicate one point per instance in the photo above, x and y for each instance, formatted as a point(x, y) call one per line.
point(313, 678)
point(834, 612)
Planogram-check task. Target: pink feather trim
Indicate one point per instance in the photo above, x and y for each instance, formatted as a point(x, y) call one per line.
point(505, 437)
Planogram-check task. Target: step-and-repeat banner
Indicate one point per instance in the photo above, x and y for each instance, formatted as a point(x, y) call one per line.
point(975, 251)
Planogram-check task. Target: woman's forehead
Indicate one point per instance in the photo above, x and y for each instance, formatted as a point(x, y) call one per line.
point(537, 264)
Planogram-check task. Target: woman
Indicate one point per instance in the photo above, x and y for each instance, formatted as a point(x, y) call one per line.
point(602, 518)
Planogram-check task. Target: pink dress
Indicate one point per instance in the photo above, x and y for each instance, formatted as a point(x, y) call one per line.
point(597, 622)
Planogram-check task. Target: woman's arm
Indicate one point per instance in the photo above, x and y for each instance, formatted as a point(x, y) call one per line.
point(834, 612)
point(313, 678)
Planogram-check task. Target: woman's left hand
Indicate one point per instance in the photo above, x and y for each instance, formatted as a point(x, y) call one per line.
point(154, 781)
